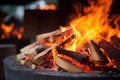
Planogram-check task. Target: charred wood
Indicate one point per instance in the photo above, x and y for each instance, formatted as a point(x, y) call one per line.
point(106, 69)
point(112, 52)
point(115, 41)
point(96, 53)
point(74, 55)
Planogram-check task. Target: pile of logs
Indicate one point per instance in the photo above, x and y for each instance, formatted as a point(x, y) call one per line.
point(100, 56)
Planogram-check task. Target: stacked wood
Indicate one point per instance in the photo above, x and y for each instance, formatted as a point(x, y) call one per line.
point(27, 49)
point(96, 53)
point(33, 50)
point(50, 48)
point(112, 52)
point(38, 58)
point(115, 41)
point(67, 65)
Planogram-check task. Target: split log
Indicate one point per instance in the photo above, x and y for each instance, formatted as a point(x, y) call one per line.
point(37, 58)
point(115, 41)
point(39, 61)
point(96, 53)
point(41, 37)
point(74, 55)
point(50, 48)
point(112, 52)
point(30, 52)
point(28, 47)
point(52, 36)
point(67, 65)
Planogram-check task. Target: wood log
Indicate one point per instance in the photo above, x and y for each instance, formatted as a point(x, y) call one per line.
point(52, 36)
point(96, 53)
point(31, 63)
point(41, 37)
point(112, 52)
point(50, 48)
point(30, 52)
point(39, 61)
point(28, 47)
point(81, 58)
point(38, 58)
point(67, 65)
point(115, 41)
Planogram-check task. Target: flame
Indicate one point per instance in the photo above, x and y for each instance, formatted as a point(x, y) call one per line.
point(10, 30)
point(93, 25)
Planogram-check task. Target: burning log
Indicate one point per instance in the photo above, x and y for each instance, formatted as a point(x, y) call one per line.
point(115, 41)
point(112, 52)
point(74, 55)
point(38, 58)
point(52, 36)
point(67, 65)
point(40, 38)
point(50, 48)
point(96, 53)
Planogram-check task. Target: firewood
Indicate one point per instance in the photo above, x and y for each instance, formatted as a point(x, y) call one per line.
point(22, 62)
point(38, 58)
point(30, 52)
point(96, 53)
point(20, 56)
point(112, 52)
point(31, 63)
point(67, 65)
point(52, 36)
point(39, 61)
point(33, 66)
point(41, 37)
point(50, 48)
point(115, 41)
point(81, 58)
point(28, 47)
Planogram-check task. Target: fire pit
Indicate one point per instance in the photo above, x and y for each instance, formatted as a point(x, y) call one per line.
point(16, 71)
point(87, 49)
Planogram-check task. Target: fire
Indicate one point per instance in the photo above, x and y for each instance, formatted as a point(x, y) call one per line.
point(93, 25)
point(10, 30)
point(85, 45)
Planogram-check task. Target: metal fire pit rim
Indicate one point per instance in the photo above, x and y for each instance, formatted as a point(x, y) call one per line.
point(13, 65)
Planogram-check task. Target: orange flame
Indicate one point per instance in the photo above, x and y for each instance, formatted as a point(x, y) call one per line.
point(94, 24)
point(8, 31)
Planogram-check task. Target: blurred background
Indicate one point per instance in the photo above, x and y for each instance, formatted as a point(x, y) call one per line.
point(22, 20)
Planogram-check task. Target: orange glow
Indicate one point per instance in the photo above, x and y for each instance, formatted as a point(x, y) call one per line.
point(48, 7)
point(94, 24)
point(9, 31)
